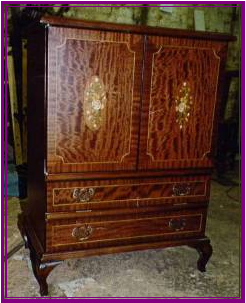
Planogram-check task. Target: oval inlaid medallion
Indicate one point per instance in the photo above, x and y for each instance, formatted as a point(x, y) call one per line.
point(183, 105)
point(94, 103)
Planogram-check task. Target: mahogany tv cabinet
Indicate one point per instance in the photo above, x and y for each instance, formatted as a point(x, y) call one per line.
point(121, 134)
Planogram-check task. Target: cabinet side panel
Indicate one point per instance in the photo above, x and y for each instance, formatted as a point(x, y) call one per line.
point(36, 131)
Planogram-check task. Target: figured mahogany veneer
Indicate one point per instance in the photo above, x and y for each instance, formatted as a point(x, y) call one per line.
point(74, 58)
point(89, 195)
point(170, 64)
point(121, 134)
point(90, 232)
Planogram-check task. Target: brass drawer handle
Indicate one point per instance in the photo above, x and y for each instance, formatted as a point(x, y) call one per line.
point(181, 189)
point(82, 233)
point(177, 224)
point(83, 194)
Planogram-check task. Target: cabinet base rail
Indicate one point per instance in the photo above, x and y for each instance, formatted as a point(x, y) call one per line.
point(43, 263)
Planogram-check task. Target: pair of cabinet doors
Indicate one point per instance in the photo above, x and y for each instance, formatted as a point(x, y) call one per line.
point(119, 101)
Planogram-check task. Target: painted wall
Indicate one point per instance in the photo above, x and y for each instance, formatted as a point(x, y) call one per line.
point(217, 19)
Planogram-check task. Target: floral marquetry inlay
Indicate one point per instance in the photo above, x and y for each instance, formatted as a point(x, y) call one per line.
point(183, 105)
point(94, 103)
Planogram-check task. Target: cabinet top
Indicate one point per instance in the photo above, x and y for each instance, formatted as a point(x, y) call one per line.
point(136, 29)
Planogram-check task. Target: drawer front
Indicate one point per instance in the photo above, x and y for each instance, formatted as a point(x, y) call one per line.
point(94, 232)
point(64, 196)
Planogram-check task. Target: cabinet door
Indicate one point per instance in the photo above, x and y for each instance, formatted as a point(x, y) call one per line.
point(93, 100)
point(179, 105)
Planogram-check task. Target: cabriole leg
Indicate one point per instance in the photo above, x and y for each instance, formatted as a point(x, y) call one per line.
point(41, 272)
point(205, 251)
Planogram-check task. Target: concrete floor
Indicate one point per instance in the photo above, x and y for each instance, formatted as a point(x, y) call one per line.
point(169, 272)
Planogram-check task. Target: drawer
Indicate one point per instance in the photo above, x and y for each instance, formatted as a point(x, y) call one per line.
point(94, 232)
point(70, 196)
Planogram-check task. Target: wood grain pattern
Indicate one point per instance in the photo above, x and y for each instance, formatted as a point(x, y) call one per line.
point(128, 174)
point(120, 230)
point(75, 57)
point(135, 29)
point(171, 63)
point(128, 193)
point(127, 212)
point(198, 69)
point(63, 255)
